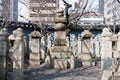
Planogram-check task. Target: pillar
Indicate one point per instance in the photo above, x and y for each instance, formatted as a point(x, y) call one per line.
point(106, 56)
point(3, 52)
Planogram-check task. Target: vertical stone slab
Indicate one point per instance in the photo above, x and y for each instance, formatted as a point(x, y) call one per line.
point(106, 50)
point(106, 56)
point(86, 48)
point(18, 56)
point(11, 39)
point(3, 52)
point(34, 46)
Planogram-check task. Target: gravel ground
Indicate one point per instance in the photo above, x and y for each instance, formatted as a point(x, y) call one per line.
point(81, 73)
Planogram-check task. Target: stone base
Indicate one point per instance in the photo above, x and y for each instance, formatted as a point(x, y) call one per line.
point(34, 62)
point(60, 64)
point(59, 52)
point(59, 55)
point(106, 75)
point(86, 63)
point(35, 56)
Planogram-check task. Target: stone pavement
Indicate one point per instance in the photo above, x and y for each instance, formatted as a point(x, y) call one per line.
point(41, 73)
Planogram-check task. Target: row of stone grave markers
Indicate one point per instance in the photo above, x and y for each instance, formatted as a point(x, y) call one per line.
point(85, 45)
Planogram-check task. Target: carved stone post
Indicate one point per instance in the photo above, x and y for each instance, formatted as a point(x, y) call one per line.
point(18, 56)
point(106, 56)
point(34, 45)
point(86, 48)
point(3, 52)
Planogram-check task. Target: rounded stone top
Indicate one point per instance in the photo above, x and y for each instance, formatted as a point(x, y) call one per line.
point(14, 32)
point(59, 26)
point(11, 37)
point(86, 33)
point(106, 32)
point(60, 10)
point(35, 34)
point(20, 30)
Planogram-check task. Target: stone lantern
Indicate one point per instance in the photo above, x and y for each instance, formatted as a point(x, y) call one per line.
point(60, 45)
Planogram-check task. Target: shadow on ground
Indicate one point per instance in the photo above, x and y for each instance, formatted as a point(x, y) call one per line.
point(81, 73)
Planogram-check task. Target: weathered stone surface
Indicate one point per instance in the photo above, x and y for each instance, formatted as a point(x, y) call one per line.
point(42, 50)
point(48, 61)
point(60, 64)
point(34, 56)
point(34, 45)
point(106, 50)
point(86, 33)
point(59, 14)
point(35, 34)
point(17, 56)
point(106, 75)
point(72, 62)
point(97, 48)
point(3, 52)
point(34, 59)
point(60, 49)
point(106, 32)
point(85, 57)
point(34, 62)
point(60, 20)
point(60, 35)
